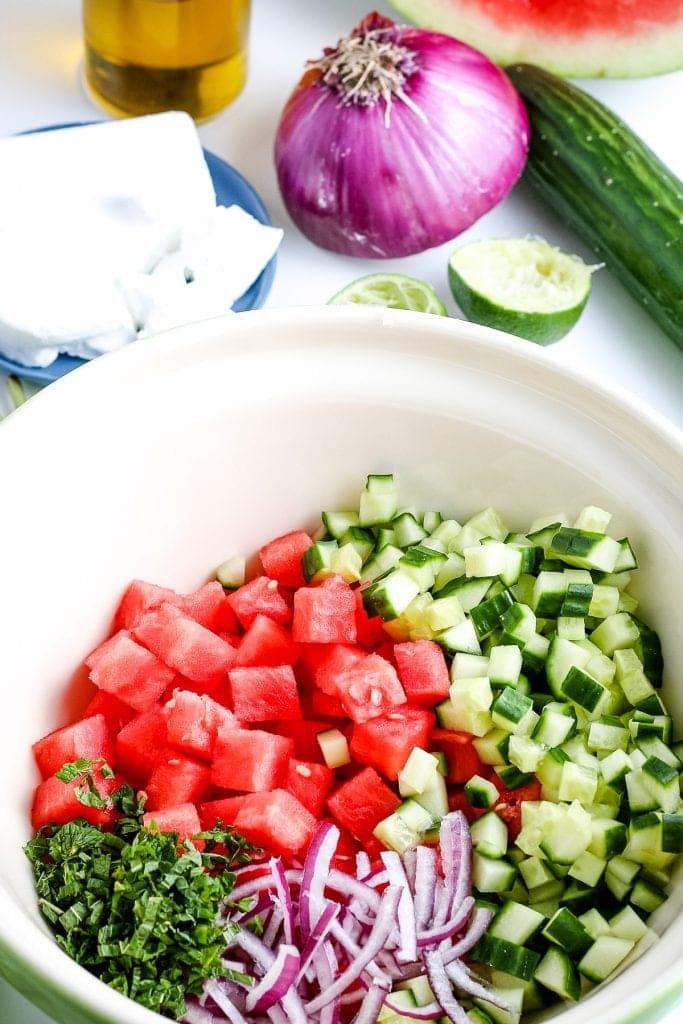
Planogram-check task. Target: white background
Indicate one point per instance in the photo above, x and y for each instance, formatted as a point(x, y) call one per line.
point(40, 57)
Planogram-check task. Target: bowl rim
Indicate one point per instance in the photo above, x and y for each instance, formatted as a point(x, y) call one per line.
point(58, 984)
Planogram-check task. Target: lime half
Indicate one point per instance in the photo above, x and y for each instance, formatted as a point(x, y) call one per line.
point(396, 291)
point(521, 285)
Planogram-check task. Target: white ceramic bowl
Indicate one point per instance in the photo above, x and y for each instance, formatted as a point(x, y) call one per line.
point(160, 460)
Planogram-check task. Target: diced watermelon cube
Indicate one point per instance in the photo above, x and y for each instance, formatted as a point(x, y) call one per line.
point(328, 661)
point(266, 643)
point(251, 761)
point(193, 721)
point(385, 743)
point(462, 759)
point(223, 810)
point(369, 628)
point(324, 706)
point(177, 780)
point(304, 736)
point(88, 738)
point(209, 606)
point(457, 801)
point(139, 598)
point(261, 596)
point(281, 558)
point(361, 802)
point(277, 821)
point(141, 743)
point(325, 613)
point(182, 819)
point(56, 802)
point(183, 644)
point(116, 713)
point(129, 671)
point(367, 687)
point(309, 783)
point(263, 693)
point(423, 671)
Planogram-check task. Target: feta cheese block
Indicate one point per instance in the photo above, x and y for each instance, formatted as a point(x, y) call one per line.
point(111, 231)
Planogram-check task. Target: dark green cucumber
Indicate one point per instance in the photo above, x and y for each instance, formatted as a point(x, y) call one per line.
point(609, 187)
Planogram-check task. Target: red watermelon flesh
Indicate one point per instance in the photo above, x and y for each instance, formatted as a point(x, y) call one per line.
point(578, 38)
point(193, 721)
point(183, 644)
point(129, 671)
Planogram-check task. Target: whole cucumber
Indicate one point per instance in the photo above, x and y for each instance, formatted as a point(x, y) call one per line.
point(610, 188)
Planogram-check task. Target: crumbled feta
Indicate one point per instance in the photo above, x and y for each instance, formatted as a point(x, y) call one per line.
point(111, 231)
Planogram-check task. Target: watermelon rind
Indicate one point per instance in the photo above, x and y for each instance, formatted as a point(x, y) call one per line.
point(653, 45)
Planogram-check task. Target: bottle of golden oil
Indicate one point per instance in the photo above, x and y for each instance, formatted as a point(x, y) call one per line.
point(144, 56)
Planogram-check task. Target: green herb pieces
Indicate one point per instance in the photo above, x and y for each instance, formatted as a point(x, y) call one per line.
point(140, 910)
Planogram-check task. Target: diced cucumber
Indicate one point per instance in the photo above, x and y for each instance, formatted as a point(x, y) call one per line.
point(386, 558)
point(492, 874)
point(594, 923)
point(487, 615)
point(361, 539)
point(513, 711)
point(490, 835)
point(615, 767)
point(338, 523)
point(347, 563)
point(472, 699)
point(459, 639)
point(640, 796)
point(513, 1000)
point(604, 956)
point(466, 666)
point(607, 734)
point(608, 838)
point(550, 588)
point(493, 747)
point(554, 726)
point(507, 956)
point(615, 633)
point(407, 530)
point(377, 500)
point(578, 783)
point(604, 601)
point(549, 772)
point(389, 595)
point(585, 549)
point(515, 922)
point(524, 753)
point(480, 792)
point(518, 624)
point(434, 797)
point(494, 559)
point(405, 827)
point(563, 655)
point(417, 772)
point(565, 930)
point(584, 691)
point(231, 573)
point(588, 869)
point(316, 562)
point(620, 876)
point(452, 569)
point(334, 748)
point(505, 665)
point(646, 896)
point(626, 924)
point(444, 613)
point(571, 627)
point(512, 777)
point(593, 519)
point(662, 782)
point(557, 973)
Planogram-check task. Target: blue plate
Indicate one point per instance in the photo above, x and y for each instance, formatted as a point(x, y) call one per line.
point(231, 188)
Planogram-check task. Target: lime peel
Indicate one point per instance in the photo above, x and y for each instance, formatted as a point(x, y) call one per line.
point(393, 291)
point(524, 286)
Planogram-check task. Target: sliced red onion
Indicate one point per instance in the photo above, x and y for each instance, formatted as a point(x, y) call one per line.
point(425, 884)
point(318, 935)
point(277, 980)
point(462, 977)
point(314, 877)
point(386, 918)
point(285, 897)
point(479, 922)
point(363, 865)
point(431, 1011)
point(397, 140)
point(214, 990)
point(434, 936)
point(441, 987)
point(327, 968)
point(406, 908)
point(371, 1005)
point(196, 1014)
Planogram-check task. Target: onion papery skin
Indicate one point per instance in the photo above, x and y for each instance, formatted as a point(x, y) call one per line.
point(367, 182)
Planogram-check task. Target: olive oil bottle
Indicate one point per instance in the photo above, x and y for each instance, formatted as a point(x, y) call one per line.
point(144, 56)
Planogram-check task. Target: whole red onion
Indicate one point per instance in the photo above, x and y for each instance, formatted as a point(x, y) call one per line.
point(397, 140)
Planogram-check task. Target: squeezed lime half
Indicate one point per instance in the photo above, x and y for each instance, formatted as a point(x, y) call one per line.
point(524, 286)
point(395, 291)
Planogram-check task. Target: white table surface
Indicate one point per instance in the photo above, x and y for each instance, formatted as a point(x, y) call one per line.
point(40, 60)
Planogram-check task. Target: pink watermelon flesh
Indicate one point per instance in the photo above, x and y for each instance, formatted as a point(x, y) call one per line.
point(578, 38)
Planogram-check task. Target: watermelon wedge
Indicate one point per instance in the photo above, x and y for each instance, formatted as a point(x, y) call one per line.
point(577, 38)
